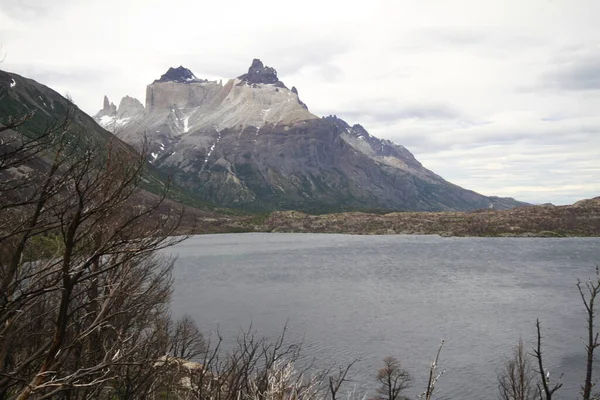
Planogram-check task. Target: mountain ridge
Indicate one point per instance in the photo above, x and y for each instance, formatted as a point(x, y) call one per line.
point(44, 109)
point(252, 143)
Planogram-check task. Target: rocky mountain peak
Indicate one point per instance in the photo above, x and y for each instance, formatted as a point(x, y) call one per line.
point(108, 108)
point(130, 103)
point(179, 75)
point(129, 106)
point(260, 73)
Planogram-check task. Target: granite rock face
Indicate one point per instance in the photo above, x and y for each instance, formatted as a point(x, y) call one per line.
point(130, 106)
point(251, 143)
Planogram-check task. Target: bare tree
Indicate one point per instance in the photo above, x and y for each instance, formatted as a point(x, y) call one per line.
point(95, 299)
point(589, 299)
point(544, 387)
point(336, 381)
point(187, 342)
point(517, 379)
point(434, 375)
point(393, 380)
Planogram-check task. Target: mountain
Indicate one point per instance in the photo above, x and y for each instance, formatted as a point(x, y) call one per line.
point(20, 97)
point(252, 143)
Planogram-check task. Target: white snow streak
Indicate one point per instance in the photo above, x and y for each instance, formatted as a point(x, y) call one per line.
point(212, 148)
point(13, 83)
point(106, 120)
point(122, 121)
point(186, 126)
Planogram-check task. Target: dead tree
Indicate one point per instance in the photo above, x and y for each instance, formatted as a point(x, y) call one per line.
point(517, 379)
point(97, 297)
point(393, 380)
point(589, 299)
point(434, 375)
point(544, 387)
point(336, 381)
point(187, 342)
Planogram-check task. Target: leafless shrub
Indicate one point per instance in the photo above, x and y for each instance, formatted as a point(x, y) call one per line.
point(92, 306)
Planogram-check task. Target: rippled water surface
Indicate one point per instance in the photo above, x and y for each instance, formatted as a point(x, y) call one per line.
point(366, 297)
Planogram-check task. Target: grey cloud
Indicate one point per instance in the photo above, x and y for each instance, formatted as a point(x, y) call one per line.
point(22, 9)
point(50, 75)
point(31, 9)
point(330, 72)
point(454, 36)
point(577, 75)
point(291, 58)
point(537, 140)
point(287, 59)
point(389, 112)
point(484, 39)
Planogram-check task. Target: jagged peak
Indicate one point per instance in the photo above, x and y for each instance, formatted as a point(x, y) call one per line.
point(180, 75)
point(130, 102)
point(108, 107)
point(259, 73)
point(360, 128)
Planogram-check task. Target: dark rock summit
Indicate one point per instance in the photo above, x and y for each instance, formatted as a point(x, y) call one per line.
point(259, 73)
point(179, 75)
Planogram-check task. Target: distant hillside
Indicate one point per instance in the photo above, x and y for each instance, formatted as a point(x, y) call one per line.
point(20, 97)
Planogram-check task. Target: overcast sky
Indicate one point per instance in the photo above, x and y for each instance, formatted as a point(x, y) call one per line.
point(502, 97)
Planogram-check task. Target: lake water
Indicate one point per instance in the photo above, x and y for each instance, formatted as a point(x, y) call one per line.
point(367, 297)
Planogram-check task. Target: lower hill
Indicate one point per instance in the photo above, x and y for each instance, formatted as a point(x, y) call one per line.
point(579, 219)
point(33, 110)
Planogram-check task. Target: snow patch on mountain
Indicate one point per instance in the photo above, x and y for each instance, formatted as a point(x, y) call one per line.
point(186, 124)
point(212, 148)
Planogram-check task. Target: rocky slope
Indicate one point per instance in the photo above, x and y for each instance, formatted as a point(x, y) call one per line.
point(252, 143)
point(20, 97)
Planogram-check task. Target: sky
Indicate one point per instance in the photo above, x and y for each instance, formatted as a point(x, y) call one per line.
point(501, 97)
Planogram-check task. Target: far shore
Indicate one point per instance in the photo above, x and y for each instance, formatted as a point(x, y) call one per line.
point(581, 219)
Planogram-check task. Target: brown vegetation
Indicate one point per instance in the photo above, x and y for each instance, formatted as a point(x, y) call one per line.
point(580, 219)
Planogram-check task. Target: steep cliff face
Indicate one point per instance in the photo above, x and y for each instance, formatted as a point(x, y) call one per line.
point(162, 96)
point(252, 143)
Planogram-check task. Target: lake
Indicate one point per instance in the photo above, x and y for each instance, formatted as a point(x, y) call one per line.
point(366, 297)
